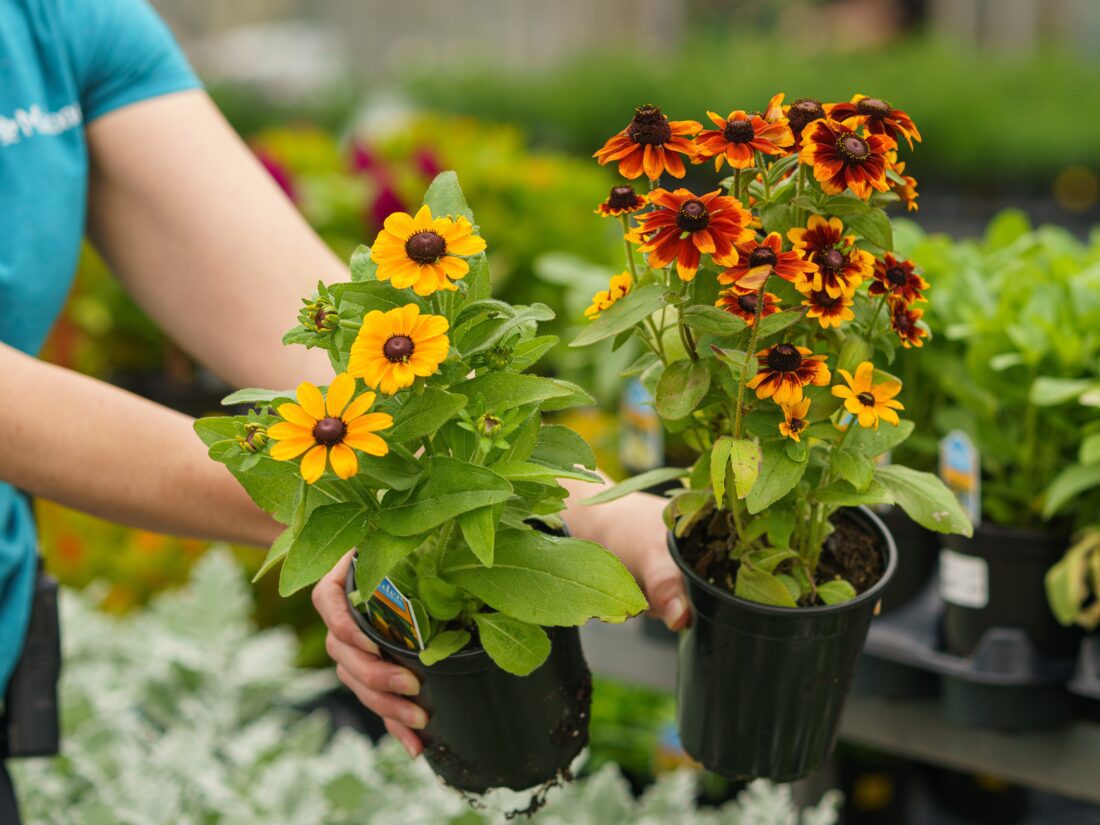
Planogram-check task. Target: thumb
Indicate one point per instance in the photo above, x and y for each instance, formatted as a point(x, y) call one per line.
point(664, 588)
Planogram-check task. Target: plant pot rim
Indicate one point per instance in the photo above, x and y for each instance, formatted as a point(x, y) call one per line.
point(889, 551)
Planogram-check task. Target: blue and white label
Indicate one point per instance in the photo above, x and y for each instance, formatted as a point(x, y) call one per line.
point(961, 471)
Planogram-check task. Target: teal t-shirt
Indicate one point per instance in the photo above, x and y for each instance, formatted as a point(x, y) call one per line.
point(63, 63)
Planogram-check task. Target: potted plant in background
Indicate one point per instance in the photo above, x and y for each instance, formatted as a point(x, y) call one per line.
point(427, 453)
point(761, 304)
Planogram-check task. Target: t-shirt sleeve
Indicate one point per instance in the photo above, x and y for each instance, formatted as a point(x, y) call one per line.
point(123, 53)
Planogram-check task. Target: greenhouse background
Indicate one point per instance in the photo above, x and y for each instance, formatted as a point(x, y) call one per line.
point(353, 108)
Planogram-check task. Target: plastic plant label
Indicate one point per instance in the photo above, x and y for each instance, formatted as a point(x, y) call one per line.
point(964, 580)
point(641, 438)
point(392, 615)
point(961, 471)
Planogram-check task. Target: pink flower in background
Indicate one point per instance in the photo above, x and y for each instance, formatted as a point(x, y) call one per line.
point(362, 159)
point(279, 172)
point(385, 203)
point(427, 163)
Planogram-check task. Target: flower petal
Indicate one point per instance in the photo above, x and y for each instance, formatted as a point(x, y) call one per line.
point(344, 462)
point(339, 394)
point(311, 400)
point(313, 465)
point(296, 415)
point(369, 443)
point(357, 407)
point(286, 450)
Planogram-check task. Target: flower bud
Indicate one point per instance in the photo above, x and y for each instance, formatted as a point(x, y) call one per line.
point(488, 425)
point(499, 357)
point(319, 316)
point(254, 438)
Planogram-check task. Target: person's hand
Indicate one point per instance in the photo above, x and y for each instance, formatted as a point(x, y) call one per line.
point(378, 684)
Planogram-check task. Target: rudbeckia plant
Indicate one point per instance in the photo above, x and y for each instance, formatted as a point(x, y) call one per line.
point(426, 454)
point(770, 305)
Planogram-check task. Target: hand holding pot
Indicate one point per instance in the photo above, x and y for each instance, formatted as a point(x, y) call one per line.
point(379, 685)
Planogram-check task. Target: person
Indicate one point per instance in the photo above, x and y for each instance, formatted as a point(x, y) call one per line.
point(105, 129)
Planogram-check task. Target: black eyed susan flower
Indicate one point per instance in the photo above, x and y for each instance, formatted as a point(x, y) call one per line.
point(898, 279)
point(841, 267)
point(622, 200)
point(829, 310)
point(329, 429)
point(651, 143)
point(842, 159)
point(743, 304)
point(620, 285)
point(877, 116)
point(685, 226)
point(906, 322)
point(784, 370)
point(867, 401)
point(394, 348)
point(423, 252)
point(794, 419)
point(739, 136)
point(800, 114)
point(757, 259)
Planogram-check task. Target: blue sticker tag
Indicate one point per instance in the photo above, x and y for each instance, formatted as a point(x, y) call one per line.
point(641, 439)
point(961, 471)
point(393, 616)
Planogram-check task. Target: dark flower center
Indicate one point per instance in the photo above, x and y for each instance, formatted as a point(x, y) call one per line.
point(831, 259)
point(622, 197)
point(796, 425)
point(649, 127)
point(784, 358)
point(398, 348)
point(329, 431)
point(425, 247)
point(319, 317)
point(853, 147)
point(739, 131)
point(250, 439)
point(762, 256)
point(874, 107)
point(866, 399)
point(903, 323)
point(747, 302)
point(824, 299)
point(802, 112)
point(897, 276)
point(692, 216)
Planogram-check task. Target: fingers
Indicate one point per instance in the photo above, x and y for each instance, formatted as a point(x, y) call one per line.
point(331, 603)
point(664, 588)
point(386, 705)
point(371, 671)
point(413, 746)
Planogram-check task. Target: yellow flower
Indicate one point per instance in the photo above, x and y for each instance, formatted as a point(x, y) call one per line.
point(393, 348)
point(329, 429)
point(784, 370)
point(867, 401)
point(422, 251)
point(620, 285)
point(794, 419)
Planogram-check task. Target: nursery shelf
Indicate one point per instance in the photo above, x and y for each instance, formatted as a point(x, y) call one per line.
point(1064, 760)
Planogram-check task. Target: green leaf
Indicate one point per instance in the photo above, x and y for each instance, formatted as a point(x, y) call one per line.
point(841, 205)
point(378, 555)
point(452, 488)
point(329, 533)
point(516, 646)
point(1090, 449)
point(1072, 481)
point(496, 391)
point(682, 386)
point(423, 414)
point(479, 528)
point(762, 587)
point(445, 197)
point(745, 459)
point(1047, 392)
point(852, 467)
point(489, 333)
point(215, 428)
point(574, 396)
point(547, 580)
point(874, 226)
point(276, 553)
point(443, 600)
point(778, 476)
point(713, 320)
point(770, 558)
point(719, 464)
point(391, 471)
point(527, 353)
point(778, 322)
point(443, 645)
point(539, 473)
point(562, 447)
point(872, 443)
point(925, 499)
point(362, 267)
point(843, 494)
point(632, 309)
point(642, 481)
point(256, 396)
point(836, 592)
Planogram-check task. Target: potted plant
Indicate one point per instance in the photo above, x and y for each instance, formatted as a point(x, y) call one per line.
point(761, 302)
point(427, 453)
point(1018, 372)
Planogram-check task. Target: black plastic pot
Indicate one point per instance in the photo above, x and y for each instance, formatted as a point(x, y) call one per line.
point(760, 688)
point(489, 729)
point(918, 551)
point(995, 579)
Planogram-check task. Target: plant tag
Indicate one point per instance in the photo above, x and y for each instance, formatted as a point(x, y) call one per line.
point(961, 471)
point(392, 616)
point(641, 439)
point(964, 580)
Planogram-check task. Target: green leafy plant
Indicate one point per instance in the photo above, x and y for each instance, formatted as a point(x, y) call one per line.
point(746, 375)
point(438, 480)
point(1073, 584)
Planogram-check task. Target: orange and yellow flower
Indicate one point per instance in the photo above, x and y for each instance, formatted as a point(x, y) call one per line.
point(651, 143)
point(841, 266)
point(757, 259)
point(329, 429)
point(877, 116)
point(842, 159)
point(867, 401)
point(423, 252)
point(743, 304)
point(395, 348)
point(794, 419)
point(829, 310)
point(898, 279)
point(800, 114)
point(622, 200)
point(739, 136)
point(620, 285)
point(906, 322)
point(784, 370)
point(685, 226)
point(907, 189)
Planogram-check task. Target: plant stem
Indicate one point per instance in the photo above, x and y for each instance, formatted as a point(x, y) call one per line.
point(874, 318)
point(764, 176)
point(685, 333)
point(737, 183)
point(630, 262)
point(817, 510)
point(745, 364)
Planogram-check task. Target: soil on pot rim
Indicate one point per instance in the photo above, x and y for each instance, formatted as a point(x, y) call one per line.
point(850, 552)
